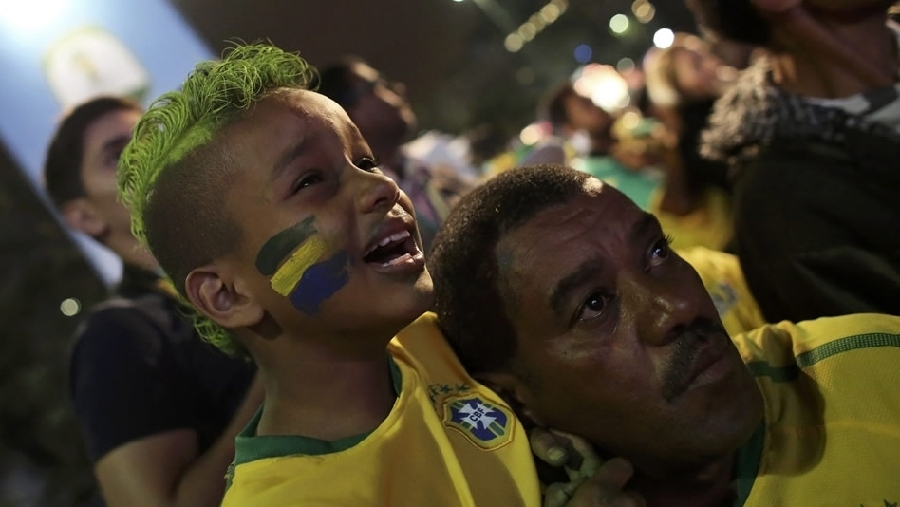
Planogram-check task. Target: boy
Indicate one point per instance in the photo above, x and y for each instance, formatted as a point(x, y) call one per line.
point(264, 204)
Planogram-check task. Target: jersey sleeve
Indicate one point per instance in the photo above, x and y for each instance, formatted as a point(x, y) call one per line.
point(724, 281)
point(127, 381)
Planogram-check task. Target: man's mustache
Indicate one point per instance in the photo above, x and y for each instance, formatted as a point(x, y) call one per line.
point(688, 344)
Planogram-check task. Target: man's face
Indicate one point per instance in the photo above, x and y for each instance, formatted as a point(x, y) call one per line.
point(617, 339)
point(378, 109)
point(104, 140)
point(329, 242)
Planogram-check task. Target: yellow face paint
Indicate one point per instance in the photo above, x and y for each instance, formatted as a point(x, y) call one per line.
point(310, 252)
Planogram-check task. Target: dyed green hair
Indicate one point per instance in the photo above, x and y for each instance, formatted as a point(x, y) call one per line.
point(176, 171)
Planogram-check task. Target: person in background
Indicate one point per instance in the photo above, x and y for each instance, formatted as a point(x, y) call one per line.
point(575, 118)
point(381, 112)
point(812, 133)
point(158, 407)
point(683, 82)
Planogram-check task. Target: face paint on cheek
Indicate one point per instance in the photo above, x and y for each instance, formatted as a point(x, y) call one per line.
point(304, 277)
point(320, 282)
point(280, 246)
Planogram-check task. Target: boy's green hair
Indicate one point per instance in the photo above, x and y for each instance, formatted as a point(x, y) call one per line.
point(175, 172)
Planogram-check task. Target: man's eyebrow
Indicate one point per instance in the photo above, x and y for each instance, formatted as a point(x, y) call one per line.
point(290, 154)
point(573, 281)
point(646, 225)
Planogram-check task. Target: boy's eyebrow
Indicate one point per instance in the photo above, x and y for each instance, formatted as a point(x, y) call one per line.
point(292, 153)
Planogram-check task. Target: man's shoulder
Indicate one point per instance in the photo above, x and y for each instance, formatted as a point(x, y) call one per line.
point(810, 342)
point(140, 327)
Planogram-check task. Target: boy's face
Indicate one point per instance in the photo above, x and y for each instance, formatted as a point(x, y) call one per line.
point(330, 246)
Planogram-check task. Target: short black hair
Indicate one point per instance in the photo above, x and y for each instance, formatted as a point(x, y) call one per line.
point(736, 20)
point(63, 176)
point(553, 106)
point(334, 81)
point(468, 287)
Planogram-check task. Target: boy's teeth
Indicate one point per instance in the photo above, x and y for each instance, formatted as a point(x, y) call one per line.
point(394, 237)
point(403, 258)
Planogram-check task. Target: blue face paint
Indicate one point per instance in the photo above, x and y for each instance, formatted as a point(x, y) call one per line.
point(319, 282)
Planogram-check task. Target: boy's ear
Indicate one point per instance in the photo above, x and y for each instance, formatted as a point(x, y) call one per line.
point(222, 297)
point(80, 215)
point(514, 392)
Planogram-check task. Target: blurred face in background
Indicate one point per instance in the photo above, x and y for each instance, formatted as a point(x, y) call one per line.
point(696, 73)
point(379, 108)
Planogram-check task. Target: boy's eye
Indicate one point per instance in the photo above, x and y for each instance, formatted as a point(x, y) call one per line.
point(305, 181)
point(368, 164)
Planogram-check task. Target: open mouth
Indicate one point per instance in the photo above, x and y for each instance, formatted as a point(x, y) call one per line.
point(398, 248)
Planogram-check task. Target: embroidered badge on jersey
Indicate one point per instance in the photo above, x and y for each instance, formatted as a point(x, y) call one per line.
point(485, 424)
point(724, 297)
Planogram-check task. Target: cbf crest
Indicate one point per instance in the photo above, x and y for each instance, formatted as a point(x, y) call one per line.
point(485, 424)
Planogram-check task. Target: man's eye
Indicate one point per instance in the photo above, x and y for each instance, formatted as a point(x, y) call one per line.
point(368, 164)
point(305, 181)
point(593, 306)
point(660, 251)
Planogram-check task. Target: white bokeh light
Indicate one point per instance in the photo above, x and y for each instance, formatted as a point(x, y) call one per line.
point(663, 38)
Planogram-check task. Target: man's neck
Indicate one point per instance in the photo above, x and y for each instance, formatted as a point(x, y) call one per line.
point(324, 396)
point(813, 72)
point(710, 485)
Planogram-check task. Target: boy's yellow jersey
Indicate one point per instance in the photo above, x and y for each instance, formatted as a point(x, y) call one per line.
point(831, 435)
point(448, 441)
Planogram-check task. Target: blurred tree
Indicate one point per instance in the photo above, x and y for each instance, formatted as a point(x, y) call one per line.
point(41, 456)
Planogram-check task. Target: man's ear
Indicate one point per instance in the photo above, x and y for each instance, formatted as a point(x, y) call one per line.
point(514, 392)
point(222, 297)
point(80, 215)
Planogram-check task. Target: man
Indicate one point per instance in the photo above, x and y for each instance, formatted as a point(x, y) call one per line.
point(382, 114)
point(565, 297)
point(812, 132)
point(159, 408)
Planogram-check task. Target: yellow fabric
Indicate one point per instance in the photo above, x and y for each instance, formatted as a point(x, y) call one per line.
point(723, 279)
point(421, 455)
point(710, 226)
point(832, 413)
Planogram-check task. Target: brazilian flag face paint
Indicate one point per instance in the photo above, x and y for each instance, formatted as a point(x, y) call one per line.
point(299, 266)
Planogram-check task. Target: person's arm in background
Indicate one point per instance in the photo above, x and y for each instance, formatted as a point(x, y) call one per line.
point(165, 469)
point(134, 401)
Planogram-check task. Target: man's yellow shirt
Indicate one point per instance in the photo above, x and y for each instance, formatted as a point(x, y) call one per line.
point(448, 441)
point(831, 432)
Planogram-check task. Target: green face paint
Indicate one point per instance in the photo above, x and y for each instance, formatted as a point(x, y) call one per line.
point(280, 246)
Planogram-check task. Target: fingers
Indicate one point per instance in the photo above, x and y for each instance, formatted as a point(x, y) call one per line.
point(560, 494)
point(613, 474)
point(582, 460)
point(604, 489)
point(549, 447)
